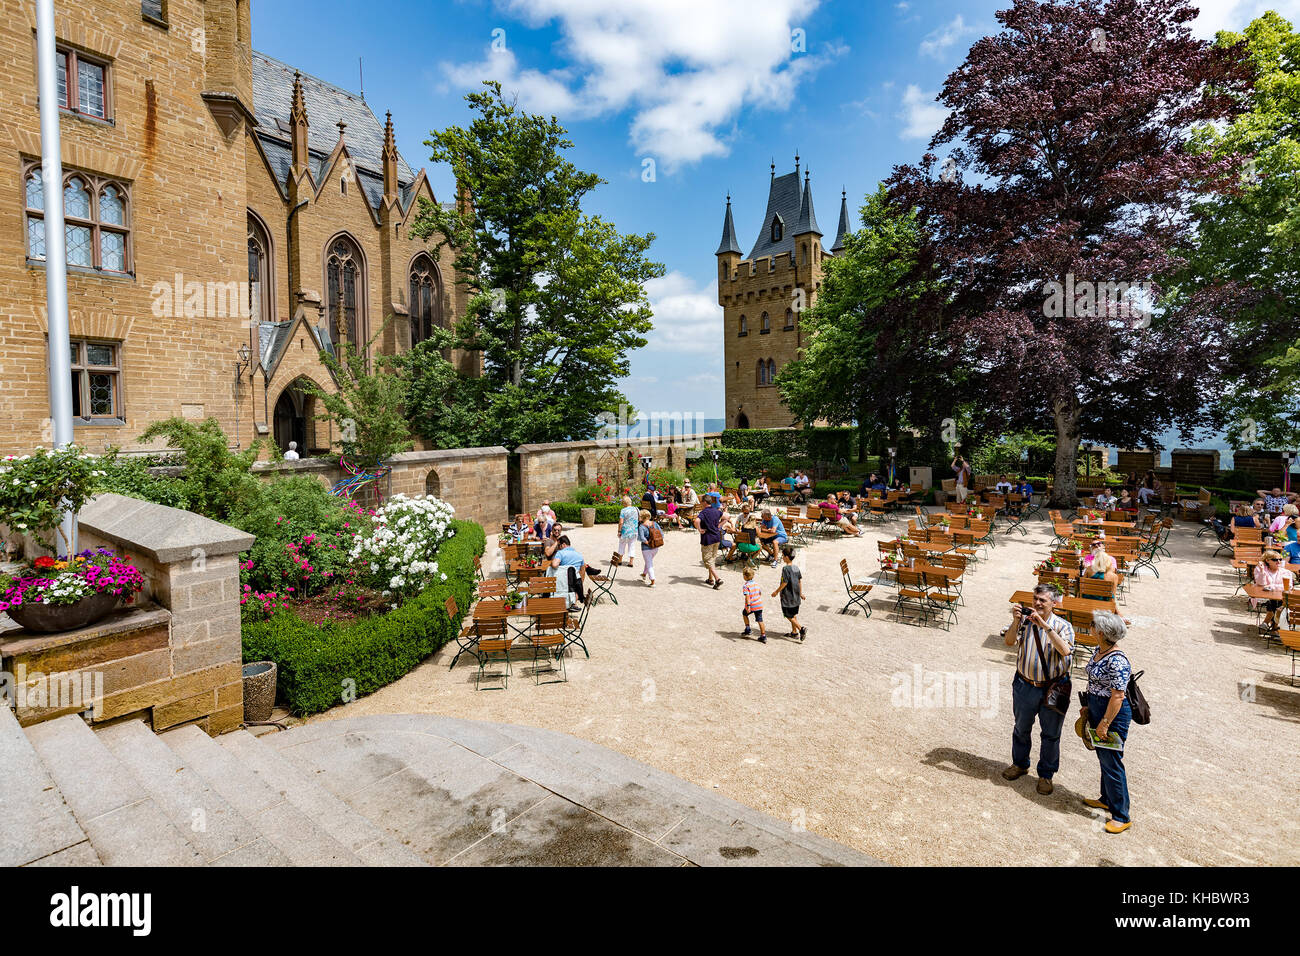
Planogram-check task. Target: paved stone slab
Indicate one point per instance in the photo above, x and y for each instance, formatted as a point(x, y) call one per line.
point(139, 835)
point(558, 832)
point(83, 854)
point(35, 823)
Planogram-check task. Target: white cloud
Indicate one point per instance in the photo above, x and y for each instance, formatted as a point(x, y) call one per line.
point(922, 115)
point(683, 68)
point(938, 41)
point(1218, 15)
point(687, 317)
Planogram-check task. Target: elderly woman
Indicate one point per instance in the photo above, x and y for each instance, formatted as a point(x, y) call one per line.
point(1100, 565)
point(1108, 710)
point(1271, 576)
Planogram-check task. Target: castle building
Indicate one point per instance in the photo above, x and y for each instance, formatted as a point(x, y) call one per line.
point(763, 294)
point(228, 218)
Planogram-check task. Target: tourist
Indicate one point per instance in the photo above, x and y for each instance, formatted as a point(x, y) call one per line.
point(628, 519)
point(744, 537)
point(292, 453)
point(897, 484)
point(790, 483)
point(1105, 501)
point(1004, 487)
point(1026, 488)
point(1276, 500)
point(962, 472)
point(551, 543)
point(652, 539)
point(651, 500)
point(1151, 489)
point(709, 524)
point(742, 489)
point(1271, 576)
point(545, 521)
point(753, 595)
point(569, 562)
point(760, 490)
point(771, 535)
point(804, 485)
point(1045, 647)
point(547, 512)
point(790, 591)
point(689, 498)
point(1126, 501)
point(831, 510)
point(1284, 520)
point(1108, 710)
point(1099, 565)
point(520, 528)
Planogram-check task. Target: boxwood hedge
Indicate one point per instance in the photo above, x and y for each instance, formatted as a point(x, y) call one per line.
point(321, 667)
point(568, 513)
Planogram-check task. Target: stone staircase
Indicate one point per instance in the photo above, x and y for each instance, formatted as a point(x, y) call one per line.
point(387, 790)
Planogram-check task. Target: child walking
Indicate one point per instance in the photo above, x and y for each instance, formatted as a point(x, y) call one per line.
point(753, 605)
point(791, 593)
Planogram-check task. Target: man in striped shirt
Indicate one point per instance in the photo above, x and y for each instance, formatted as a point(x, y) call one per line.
point(1035, 668)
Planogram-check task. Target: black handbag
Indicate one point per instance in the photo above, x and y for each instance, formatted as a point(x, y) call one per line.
point(1056, 697)
point(1137, 701)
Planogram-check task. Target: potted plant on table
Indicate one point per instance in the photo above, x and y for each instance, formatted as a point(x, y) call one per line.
point(514, 600)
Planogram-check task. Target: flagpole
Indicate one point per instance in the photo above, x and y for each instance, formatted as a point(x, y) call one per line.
point(56, 269)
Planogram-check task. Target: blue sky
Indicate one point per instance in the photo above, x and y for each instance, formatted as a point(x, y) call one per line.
point(711, 90)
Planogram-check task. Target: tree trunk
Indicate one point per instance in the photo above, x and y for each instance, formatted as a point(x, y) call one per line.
point(1065, 490)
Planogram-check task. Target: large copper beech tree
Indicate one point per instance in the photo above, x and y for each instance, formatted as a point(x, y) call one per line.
point(1065, 187)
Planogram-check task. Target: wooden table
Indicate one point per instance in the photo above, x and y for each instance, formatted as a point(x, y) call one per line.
point(1108, 525)
point(1077, 604)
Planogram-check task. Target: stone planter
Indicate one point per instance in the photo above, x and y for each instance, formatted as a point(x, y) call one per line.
point(259, 691)
point(588, 517)
point(56, 618)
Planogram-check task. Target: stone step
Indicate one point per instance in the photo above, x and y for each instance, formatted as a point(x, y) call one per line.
point(209, 822)
point(35, 822)
point(371, 845)
point(125, 826)
point(283, 825)
point(712, 829)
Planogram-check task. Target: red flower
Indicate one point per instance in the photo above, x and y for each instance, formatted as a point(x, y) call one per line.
point(45, 562)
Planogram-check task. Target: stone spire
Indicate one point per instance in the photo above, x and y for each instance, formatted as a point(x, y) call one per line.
point(842, 232)
point(298, 126)
point(728, 243)
point(390, 161)
point(807, 218)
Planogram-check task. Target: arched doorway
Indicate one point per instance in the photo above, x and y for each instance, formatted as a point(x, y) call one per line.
point(742, 420)
point(432, 486)
point(291, 420)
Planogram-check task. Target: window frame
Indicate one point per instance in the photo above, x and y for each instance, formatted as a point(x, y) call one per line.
point(360, 332)
point(744, 326)
point(96, 186)
point(765, 324)
point(82, 370)
point(423, 267)
point(70, 103)
point(789, 320)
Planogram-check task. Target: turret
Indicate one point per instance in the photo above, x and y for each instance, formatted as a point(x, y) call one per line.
point(390, 163)
point(228, 64)
point(842, 232)
point(728, 249)
point(807, 235)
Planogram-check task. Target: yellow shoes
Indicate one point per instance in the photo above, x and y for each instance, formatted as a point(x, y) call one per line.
point(1095, 804)
point(1113, 827)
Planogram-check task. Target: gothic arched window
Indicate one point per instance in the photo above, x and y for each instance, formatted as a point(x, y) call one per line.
point(426, 301)
point(778, 228)
point(345, 280)
point(260, 288)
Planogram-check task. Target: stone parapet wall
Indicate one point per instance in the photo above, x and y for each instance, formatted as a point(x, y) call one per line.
point(471, 480)
point(176, 657)
point(551, 472)
point(1194, 466)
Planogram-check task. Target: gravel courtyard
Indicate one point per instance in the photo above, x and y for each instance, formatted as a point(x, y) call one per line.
point(839, 736)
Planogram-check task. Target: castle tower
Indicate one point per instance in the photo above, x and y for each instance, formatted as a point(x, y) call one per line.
point(762, 296)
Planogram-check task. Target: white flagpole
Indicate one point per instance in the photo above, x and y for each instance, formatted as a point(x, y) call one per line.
point(56, 270)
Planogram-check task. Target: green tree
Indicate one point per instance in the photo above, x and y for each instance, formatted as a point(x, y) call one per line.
point(367, 409)
point(556, 297)
point(1251, 236)
point(216, 482)
point(874, 348)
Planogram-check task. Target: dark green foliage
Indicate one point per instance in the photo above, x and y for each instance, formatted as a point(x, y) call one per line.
point(130, 476)
point(817, 444)
point(570, 513)
point(321, 667)
point(217, 482)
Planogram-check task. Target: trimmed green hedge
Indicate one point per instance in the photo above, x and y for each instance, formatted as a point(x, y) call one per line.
point(567, 512)
point(821, 444)
point(319, 666)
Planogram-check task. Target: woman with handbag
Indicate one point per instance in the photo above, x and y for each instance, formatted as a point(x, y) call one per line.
point(1108, 710)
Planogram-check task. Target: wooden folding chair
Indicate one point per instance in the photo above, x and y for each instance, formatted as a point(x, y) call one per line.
point(548, 639)
point(912, 593)
point(492, 588)
point(539, 585)
point(492, 643)
point(941, 596)
point(1085, 637)
point(602, 583)
point(858, 593)
point(466, 638)
point(1097, 589)
point(573, 628)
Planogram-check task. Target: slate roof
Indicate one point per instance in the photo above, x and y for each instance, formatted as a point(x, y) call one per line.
point(728, 243)
point(326, 105)
point(792, 202)
point(843, 231)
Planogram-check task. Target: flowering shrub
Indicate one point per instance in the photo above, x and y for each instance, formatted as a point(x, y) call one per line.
point(67, 582)
point(35, 489)
point(400, 553)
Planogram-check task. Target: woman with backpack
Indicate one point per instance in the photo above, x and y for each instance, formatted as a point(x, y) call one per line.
point(1108, 709)
point(652, 539)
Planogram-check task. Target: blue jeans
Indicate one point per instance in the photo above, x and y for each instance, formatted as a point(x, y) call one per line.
point(1026, 704)
point(1114, 782)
